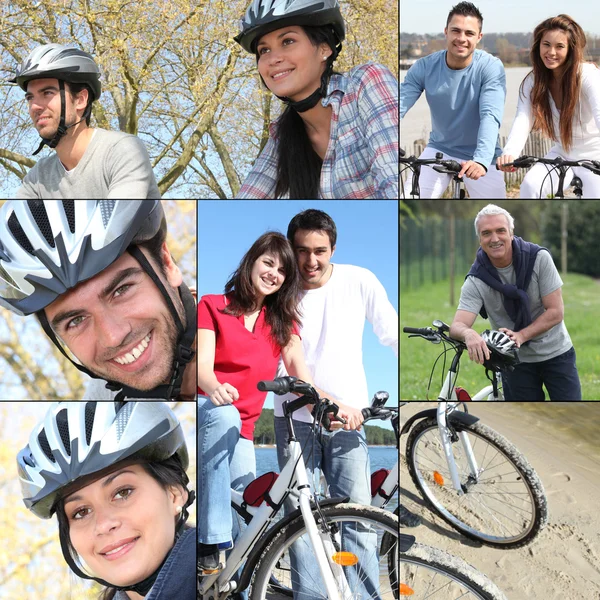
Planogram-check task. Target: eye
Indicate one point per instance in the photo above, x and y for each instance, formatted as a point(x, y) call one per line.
point(262, 50)
point(123, 493)
point(79, 514)
point(122, 290)
point(74, 323)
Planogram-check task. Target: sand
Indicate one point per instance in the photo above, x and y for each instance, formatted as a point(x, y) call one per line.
point(564, 561)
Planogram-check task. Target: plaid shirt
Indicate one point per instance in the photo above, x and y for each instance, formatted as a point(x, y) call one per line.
point(362, 155)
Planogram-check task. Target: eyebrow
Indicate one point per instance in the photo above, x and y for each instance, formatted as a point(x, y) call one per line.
point(278, 37)
point(497, 229)
point(44, 89)
point(307, 248)
point(114, 283)
point(105, 483)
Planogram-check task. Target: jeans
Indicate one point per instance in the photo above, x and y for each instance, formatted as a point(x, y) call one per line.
point(559, 375)
point(225, 461)
point(343, 457)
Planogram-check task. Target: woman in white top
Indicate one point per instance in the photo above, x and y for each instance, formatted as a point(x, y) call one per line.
point(561, 98)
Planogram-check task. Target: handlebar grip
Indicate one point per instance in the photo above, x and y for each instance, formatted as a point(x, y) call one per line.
point(417, 330)
point(279, 386)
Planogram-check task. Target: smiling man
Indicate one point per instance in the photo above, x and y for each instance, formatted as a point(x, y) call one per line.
point(465, 90)
point(515, 284)
point(99, 277)
point(60, 86)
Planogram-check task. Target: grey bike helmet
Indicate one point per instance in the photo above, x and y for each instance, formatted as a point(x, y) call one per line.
point(504, 354)
point(81, 438)
point(264, 16)
point(47, 247)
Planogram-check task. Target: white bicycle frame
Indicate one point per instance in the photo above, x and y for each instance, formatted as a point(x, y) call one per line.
point(448, 390)
point(293, 481)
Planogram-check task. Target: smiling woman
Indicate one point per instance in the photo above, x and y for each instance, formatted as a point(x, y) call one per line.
point(115, 475)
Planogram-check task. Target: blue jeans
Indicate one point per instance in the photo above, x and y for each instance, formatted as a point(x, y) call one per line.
point(559, 375)
point(343, 458)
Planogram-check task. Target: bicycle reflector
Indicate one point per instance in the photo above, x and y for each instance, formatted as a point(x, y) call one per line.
point(405, 590)
point(438, 478)
point(345, 559)
point(257, 491)
point(377, 479)
point(462, 394)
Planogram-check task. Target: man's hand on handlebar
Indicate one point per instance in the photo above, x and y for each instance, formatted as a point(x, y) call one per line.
point(471, 169)
point(476, 346)
point(353, 417)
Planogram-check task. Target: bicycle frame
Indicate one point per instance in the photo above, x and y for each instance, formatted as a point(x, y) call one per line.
point(292, 481)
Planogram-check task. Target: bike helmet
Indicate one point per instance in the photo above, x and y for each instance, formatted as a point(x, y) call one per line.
point(264, 16)
point(65, 64)
point(48, 247)
point(504, 354)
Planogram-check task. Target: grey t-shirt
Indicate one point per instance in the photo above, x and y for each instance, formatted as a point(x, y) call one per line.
point(115, 165)
point(545, 280)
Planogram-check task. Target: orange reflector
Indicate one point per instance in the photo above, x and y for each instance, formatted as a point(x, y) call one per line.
point(345, 559)
point(405, 590)
point(438, 478)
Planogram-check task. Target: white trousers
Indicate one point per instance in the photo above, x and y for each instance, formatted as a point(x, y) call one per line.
point(433, 184)
point(538, 183)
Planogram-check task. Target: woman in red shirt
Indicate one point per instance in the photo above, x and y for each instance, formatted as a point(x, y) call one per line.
point(241, 335)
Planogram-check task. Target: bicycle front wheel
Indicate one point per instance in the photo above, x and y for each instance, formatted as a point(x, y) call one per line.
point(430, 574)
point(366, 543)
point(502, 505)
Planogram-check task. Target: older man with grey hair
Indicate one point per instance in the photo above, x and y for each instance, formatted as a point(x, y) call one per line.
point(515, 284)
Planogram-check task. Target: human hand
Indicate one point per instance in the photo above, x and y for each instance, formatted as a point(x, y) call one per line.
point(476, 346)
point(471, 169)
point(516, 336)
point(352, 416)
point(224, 394)
point(502, 160)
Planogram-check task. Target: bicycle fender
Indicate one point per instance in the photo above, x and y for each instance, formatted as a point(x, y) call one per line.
point(406, 542)
point(462, 418)
point(424, 414)
point(456, 416)
point(266, 539)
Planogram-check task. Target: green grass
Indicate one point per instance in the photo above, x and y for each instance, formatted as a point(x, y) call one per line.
point(418, 308)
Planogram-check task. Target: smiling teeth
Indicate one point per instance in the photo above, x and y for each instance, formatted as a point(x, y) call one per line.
point(132, 356)
point(280, 74)
point(115, 550)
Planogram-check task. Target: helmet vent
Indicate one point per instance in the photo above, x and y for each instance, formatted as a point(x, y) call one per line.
point(69, 208)
point(122, 418)
point(63, 429)
point(40, 216)
point(16, 229)
point(90, 411)
point(43, 440)
point(107, 208)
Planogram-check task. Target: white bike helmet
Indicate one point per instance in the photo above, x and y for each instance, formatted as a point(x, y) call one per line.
point(80, 438)
point(504, 353)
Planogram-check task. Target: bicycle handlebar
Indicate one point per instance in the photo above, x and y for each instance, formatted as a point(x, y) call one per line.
point(524, 162)
point(418, 330)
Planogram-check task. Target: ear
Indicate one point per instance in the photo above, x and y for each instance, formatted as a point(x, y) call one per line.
point(177, 498)
point(174, 276)
point(332, 251)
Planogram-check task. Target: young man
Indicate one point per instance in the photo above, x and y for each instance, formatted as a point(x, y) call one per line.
point(515, 284)
point(60, 85)
point(466, 90)
point(100, 279)
point(335, 303)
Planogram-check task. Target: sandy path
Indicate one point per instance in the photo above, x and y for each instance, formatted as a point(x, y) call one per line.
point(564, 561)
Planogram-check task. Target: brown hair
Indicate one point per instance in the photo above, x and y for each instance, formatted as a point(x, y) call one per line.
point(570, 82)
point(282, 306)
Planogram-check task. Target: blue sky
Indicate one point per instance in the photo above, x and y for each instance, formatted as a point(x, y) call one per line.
point(429, 16)
point(367, 237)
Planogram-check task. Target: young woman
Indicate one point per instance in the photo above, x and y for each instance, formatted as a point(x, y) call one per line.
point(561, 98)
point(241, 335)
point(338, 135)
point(114, 474)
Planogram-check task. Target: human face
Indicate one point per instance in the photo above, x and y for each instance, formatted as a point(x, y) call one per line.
point(554, 50)
point(43, 99)
point(313, 253)
point(289, 64)
point(267, 275)
point(462, 37)
point(496, 239)
point(123, 524)
point(118, 323)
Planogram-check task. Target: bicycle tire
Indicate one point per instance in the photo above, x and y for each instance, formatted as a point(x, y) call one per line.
point(294, 530)
point(505, 448)
point(454, 568)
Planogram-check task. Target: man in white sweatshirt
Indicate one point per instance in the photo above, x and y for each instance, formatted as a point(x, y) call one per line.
point(336, 300)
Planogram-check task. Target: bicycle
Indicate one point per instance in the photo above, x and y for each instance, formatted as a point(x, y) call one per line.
point(449, 390)
point(561, 166)
point(474, 478)
point(331, 528)
point(438, 164)
point(429, 573)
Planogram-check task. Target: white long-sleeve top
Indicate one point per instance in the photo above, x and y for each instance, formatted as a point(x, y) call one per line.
point(333, 321)
point(586, 121)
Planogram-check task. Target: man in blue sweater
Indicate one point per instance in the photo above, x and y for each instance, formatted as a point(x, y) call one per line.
point(465, 90)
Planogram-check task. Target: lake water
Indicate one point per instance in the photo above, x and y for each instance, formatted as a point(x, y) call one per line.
point(417, 122)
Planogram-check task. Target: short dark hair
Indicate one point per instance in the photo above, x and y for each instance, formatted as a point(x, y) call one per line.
point(76, 88)
point(312, 220)
point(466, 9)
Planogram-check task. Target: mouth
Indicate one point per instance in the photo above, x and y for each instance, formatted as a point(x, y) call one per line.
point(115, 551)
point(268, 283)
point(281, 75)
point(460, 47)
point(311, 271)
point(496, 246)
point(42, 120)
point(552, 60)
point(136, 357)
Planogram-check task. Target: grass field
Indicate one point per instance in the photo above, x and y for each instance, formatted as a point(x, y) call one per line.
point(418, 308)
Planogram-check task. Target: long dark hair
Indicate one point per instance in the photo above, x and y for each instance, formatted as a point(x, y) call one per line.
point(298, 165)
point(166, 473)
point(570, 83)
point(282, 306)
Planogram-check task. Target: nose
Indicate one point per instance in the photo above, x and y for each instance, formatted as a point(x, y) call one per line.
point(110, 330)
point(106, 520)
